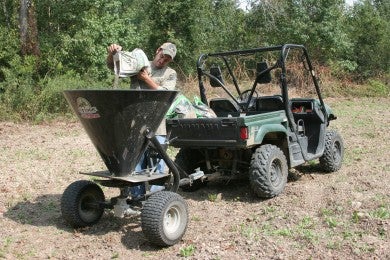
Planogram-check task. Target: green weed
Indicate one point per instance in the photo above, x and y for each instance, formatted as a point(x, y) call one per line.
point(331, 222)
point(334, 245)
point(214, 197)
point(187, 251)
point(285, 232)
point(5, 245)
point(249, 231)
point(355, 217)
point(380, 213)
point(195, 218)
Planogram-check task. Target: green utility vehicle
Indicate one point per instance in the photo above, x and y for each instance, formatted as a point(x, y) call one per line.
point(273, 120)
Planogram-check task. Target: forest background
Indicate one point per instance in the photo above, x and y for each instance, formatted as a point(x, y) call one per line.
point(48, 46)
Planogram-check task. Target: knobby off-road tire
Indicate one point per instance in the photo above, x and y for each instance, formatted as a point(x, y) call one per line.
point(188, 160)
point(332, 158)
point(164, 218)
point(268, 171)
point(80, 203)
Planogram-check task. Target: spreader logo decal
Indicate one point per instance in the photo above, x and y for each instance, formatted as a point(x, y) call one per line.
point(85, 109)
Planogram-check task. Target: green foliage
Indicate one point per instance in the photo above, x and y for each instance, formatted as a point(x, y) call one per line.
point(51, 99)
point(377, 88)
point(73, 37)
point(195, 27)
point(369, 30)
point(18, 87)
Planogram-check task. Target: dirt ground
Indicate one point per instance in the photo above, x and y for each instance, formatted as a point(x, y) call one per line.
point(343, 215)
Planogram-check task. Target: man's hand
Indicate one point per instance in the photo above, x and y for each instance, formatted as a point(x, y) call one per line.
point(113, 48)
point(144, 76)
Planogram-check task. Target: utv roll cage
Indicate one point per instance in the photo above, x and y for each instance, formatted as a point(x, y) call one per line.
point(263, 76)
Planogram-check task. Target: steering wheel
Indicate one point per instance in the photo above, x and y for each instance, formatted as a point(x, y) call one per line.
point(245, 95)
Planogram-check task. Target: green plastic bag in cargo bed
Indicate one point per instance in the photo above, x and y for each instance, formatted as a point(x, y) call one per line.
point(183, 108)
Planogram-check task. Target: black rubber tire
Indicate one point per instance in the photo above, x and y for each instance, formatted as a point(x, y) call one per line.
point(268, 171)
point(164, 218)
point(332, 158)
point(80, 203)
point(188, 160)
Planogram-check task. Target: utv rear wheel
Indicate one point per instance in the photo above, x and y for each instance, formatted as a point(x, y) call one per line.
point(188, 160)
point(80, 203)
point(164, 218)
point(332, 158)
point(268, 171)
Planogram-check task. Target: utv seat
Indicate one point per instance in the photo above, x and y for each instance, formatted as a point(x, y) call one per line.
point(224, 107)
point(269, 104)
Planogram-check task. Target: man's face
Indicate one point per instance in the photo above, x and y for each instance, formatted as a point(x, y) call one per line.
point(161, 60)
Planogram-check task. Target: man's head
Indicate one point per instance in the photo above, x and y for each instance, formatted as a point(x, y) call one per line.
point(164, 54)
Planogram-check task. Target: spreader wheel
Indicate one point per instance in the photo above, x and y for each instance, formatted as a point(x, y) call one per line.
point(164, 218)
point(80, 203)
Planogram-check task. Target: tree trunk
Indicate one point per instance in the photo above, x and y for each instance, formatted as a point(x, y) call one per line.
point(28, 28)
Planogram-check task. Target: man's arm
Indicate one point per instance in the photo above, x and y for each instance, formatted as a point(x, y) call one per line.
point(112, 49)
point(170, 79)
point(145, 77)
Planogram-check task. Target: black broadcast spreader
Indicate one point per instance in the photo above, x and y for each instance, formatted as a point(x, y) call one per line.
point(122, 124)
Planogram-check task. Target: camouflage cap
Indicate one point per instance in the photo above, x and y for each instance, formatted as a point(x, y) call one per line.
point(169, 48)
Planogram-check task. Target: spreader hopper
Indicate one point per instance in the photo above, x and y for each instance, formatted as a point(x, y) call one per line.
point(116, 121)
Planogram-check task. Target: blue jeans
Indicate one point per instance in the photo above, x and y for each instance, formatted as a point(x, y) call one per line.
point(139, 190)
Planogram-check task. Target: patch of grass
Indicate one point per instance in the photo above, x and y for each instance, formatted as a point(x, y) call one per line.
point(250, 231)
point(5, 246)
point(269, 209)
point(357, 153)
point(32, 154)
point(51, 206)
point(380, 213)
point(331, 222)
point(305, 229)
point(115, 255)
point(284, 232)
point(187, 251)
point(77, 153)
point(306, 222)
point(214, 197)
point(356, 216)
point(335, 245)
point(195, 218)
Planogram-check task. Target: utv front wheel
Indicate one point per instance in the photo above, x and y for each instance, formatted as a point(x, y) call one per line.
point(164, 218)
point(332, 158)
point(80, 203)
point(268, 171)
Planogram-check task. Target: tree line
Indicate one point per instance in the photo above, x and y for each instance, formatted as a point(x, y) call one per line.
point(51, 45)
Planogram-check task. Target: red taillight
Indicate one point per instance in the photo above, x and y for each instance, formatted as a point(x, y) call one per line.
point(244, 133)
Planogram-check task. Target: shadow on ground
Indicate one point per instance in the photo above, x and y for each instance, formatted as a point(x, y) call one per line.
point(45, 210)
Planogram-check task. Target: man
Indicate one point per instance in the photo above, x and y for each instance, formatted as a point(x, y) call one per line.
point(161, 77)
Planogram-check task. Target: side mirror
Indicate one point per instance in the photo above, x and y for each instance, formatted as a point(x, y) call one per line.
point(262, 78)
point(215, 71)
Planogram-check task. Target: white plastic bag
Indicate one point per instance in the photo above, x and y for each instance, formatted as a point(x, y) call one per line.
point(127, 64)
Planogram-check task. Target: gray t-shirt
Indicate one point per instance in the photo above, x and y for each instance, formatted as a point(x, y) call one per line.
point(166, 80)
point(164, 77)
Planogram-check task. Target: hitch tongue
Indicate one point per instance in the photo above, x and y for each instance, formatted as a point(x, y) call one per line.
point(192, 177)
point(122, 209)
